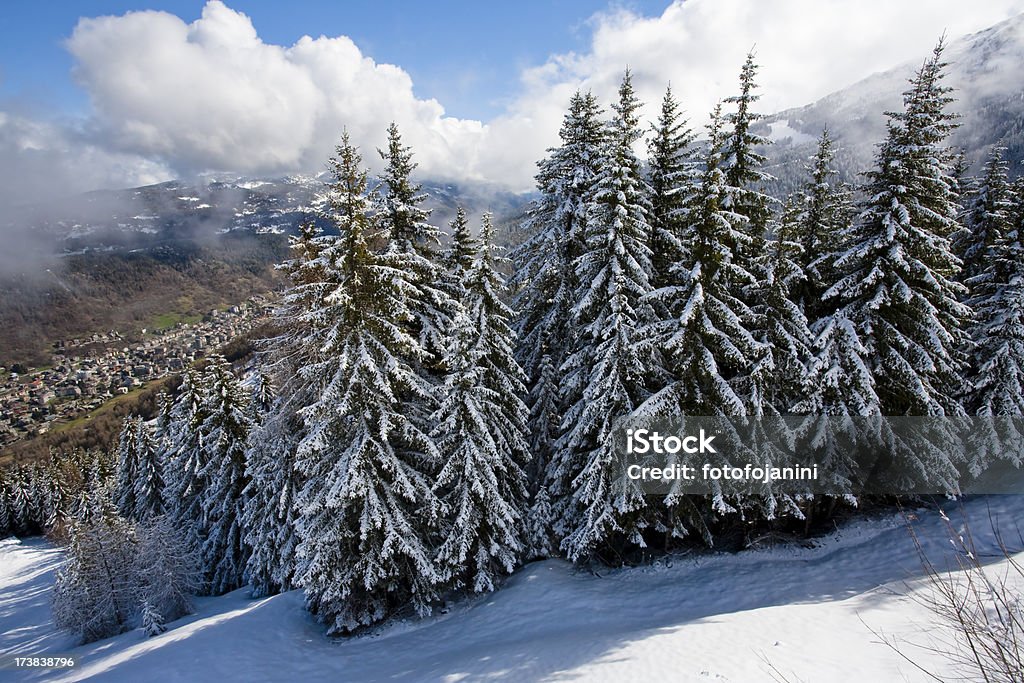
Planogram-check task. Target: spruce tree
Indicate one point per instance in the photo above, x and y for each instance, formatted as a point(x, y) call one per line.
point(39, 497)
point(458, 258)
point(152, 620)
point(261, 395)
point(898, 274)
point(818, 220)
point(149, 485)
point(539, 521)
point(185, 457)
point(6, 511)
point(705, 338)
point(20, 493)
point(545, 279)
point(270, 514)
point(127, 466)
point(671, 175)
point(745, 180)
point(456, 262)
point(743, 165)
point(988, 219)
point(605, 374)
point(996, 380)
point(842, 393)
point(226, 432)
point(779, 377)
point(480, 432)
point(270, 511)
point(62, 477)
point(366, 510)
point(413, 242)
point(839, 387)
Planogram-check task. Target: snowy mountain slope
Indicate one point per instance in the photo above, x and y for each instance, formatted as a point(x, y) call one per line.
point(810, 612)
point(27, 570)
point(984, 72)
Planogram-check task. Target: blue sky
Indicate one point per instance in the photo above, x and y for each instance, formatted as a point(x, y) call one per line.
point(102, 94)
point(466, 54)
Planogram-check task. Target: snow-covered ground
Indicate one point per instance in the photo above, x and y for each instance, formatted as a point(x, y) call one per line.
point(811, 613)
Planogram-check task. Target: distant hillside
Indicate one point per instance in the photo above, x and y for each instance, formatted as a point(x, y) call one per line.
point(130, 290)
point(142, 257)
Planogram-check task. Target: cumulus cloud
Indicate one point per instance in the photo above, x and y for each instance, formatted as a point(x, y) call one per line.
point(175, 97)
point(211, 95)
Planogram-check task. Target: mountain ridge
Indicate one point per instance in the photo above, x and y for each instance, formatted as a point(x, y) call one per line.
point(987, 93)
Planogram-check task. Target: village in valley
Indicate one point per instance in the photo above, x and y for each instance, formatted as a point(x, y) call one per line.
point(86, 372)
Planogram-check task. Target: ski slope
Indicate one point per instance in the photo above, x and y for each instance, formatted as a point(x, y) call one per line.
point(809, 613)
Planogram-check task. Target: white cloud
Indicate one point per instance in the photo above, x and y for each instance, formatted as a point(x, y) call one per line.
point(211, 95)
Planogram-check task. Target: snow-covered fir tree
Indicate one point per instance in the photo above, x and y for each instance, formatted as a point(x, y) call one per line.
point(184, 457)
point(705, 338)
point(838, 386)
point(456, 262)
point(96, 592)
point(127, 466)
point(21, 500)
point(743, 165)
point(366, 511)
point(270, 510)
point(781, 328)
point(59, 492)
point(545, 279)
point(261, 395)
point(152, 620)
point(39, 497)
point(480, 432)
point(543, 428)
point(413, 241)
point(745, 178)
point(842, 393)
point(898, 273)
point(996, 378)
point(988, 218)
point(605, 374)
point(269, 519)
point(167, 570)
point(671, 174)
point(226, 433)
point(149, 482)
point(458, 258)
point(778, 376)
point(818, 219)
point(539, 521)
point(6, 513)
